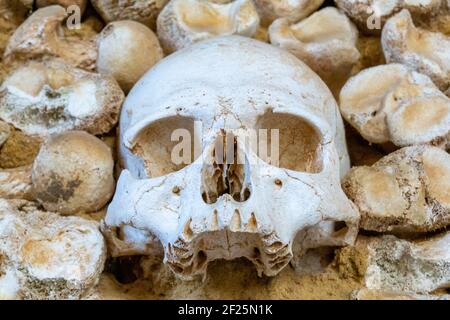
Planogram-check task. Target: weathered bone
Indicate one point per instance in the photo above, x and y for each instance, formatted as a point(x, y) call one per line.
point(71, 182)
point(184, 22)
point(391, 264)
point(390, 103)
point(12, 14)
point(143, 11)
point(45, 256)
point(209, 210)
point(270, 10)
point(126, 50)
point(52, 97)
point(325, 41)
point(40, 37)
point(370, 15)
point(420, 50)
point(407, 191)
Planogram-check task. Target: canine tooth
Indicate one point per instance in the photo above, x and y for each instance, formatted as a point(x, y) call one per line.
point(252, 224)
point(235, 224)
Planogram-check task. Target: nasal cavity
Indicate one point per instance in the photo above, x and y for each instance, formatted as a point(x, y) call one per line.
point(225, 171)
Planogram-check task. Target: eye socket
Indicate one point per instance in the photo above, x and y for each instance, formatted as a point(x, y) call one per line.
point(160, 154)
point(299, 147)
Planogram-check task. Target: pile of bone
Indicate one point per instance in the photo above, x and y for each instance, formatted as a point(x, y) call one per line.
point(87, 98)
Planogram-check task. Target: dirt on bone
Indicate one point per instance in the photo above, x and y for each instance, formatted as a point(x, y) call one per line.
point(235, 279)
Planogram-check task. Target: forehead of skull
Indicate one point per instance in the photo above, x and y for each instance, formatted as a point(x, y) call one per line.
point(231, 79)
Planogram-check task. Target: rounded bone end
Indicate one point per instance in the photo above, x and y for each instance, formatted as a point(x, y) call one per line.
point(325, 41)
point(45, 256)
point(41, 36)
point(371, 16)
point(73, 173)
point(184, 22)
point(405, 192)
point(126, 50)
point(418, 49)
point(389, 264)
point(377, 194)
point(390, 103)
point(270, 10)
point(53, 97)
point(143, 11)
point(49, 16)
point(425, 120)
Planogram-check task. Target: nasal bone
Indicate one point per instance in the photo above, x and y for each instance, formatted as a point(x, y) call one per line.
point(225, 172)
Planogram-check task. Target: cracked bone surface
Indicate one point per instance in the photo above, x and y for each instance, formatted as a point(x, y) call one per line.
point(420, 50)
point(387, 263)
point(390, 103)
point(73, 173)
point(325, 41)
point(46, 256)
point(293, 10)
point(184, 22)
point(204, 208)
point(53, 97)
point(41, 36)
point(126, 50)
point(143, 11)
point(370, 15)
point(407, 191)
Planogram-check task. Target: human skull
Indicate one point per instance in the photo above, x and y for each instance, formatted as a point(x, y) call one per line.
point(256, 208)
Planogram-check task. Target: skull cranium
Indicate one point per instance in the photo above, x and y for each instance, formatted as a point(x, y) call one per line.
point(209, 210)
